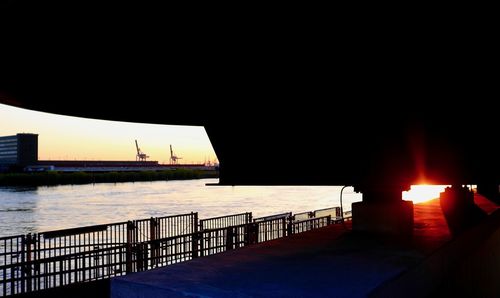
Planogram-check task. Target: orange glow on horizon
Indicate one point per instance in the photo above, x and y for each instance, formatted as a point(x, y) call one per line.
point(71, 138)
point(422, 193)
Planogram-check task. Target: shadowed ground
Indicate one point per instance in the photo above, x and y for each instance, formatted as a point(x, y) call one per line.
point(331, 262)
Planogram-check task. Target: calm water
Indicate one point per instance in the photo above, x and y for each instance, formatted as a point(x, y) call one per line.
point(28, 210)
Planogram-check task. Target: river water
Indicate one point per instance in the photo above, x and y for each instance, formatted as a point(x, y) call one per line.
point(31, 210)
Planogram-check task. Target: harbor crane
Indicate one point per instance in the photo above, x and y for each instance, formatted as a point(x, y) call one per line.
point(173, 158)
point(140, 155)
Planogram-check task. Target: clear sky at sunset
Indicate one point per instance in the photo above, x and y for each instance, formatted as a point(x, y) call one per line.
point(69, 138)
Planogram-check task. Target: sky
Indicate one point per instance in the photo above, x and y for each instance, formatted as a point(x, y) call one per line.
point(70, 138)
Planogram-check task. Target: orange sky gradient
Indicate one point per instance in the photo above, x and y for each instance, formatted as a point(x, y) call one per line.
point(70, 138)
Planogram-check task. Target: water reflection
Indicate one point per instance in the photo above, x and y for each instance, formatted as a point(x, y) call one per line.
point(17, 210)
point(19, 189)
point(49, 208)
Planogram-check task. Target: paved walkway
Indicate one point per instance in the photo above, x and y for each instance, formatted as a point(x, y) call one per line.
point(328, 262)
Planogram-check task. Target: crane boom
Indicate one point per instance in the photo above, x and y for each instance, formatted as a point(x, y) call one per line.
point(137, 146)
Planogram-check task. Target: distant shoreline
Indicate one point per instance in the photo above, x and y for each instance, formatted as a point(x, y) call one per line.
point(52, 178)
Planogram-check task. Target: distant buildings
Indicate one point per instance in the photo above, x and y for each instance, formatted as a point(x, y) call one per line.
point(18, 151)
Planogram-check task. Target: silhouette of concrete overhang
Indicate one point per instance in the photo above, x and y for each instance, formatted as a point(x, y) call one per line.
point(372, 113)
point(316, 144)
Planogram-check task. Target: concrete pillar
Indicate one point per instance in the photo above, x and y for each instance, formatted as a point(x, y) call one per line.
point(383, 211)
point(459, 209)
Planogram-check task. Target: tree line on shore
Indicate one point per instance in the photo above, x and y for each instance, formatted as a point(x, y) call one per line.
point(60, 178)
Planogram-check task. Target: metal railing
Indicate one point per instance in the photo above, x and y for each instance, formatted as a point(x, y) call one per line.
point(272, 229)
point(162, 252)
point(302, 215)
point(310, 224)
point(31, 262)
point(226, 221)
point(45, 260)
point(334, 212)
point(286, 215)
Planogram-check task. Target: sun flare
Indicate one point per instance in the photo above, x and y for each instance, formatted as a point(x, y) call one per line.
point(422, 193)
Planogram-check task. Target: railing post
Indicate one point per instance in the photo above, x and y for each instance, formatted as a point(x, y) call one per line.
point(284, 226)
point(196, 236)
point(201, 225)
point(24, 248)
point(195, 222)
point(145, 256)
point(249, 217)
point(153, 231)
point(195, 243)
point(256, 231)
point(229, 238)
point(153, 224)
point(329, 220)
point(246, 237)
point(139, 250)
point(28, 241)
point(130, 243)
point(202, 243)
point(254, 234)
point(289, 226)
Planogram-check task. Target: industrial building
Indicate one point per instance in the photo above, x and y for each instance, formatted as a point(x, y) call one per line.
point(18, 151)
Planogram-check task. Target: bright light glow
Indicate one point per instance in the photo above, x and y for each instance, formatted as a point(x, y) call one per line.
point(422, 193)
point(70, 138)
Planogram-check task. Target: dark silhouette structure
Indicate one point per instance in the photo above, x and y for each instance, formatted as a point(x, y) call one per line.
point(18, 150)
point(458, 207)
point(373, 111)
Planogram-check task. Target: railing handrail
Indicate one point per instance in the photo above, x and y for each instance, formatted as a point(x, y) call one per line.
point(146, 219)
point(332, 208)
point(177, 215)
point(72, 247)
point(62, 257)
point(274, 216)
point(311, 219)
point(75, 228)
point(225, 216)
point(223, 228)
point(90, 227)
point(11, 237)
